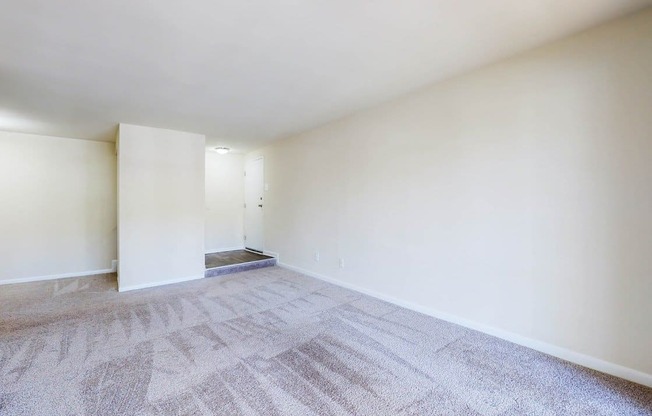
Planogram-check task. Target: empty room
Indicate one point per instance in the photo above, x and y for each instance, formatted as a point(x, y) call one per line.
point(326, 208)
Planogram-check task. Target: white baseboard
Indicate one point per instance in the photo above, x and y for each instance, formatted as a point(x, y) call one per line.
point(123, 288)
point(272, 254)
point(58, 276)
point(550, 349)
point(220, 250)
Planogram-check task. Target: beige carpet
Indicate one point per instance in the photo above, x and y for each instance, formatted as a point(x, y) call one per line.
point(270, 342)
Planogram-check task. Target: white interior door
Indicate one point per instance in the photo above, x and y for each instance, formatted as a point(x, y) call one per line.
point(253, 218)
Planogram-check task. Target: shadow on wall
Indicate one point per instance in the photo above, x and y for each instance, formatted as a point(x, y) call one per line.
point(627, 202)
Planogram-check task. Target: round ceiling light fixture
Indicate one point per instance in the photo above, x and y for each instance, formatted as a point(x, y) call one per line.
point(221, 150)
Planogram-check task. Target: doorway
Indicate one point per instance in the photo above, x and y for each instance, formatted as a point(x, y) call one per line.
point(253, 216)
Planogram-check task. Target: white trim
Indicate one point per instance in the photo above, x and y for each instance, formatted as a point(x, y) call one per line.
point(253, 159)
point(57, 276)
point(122, 288)
point(253, 250)
point(271, 253)
point(550, 349)
point(221, 250)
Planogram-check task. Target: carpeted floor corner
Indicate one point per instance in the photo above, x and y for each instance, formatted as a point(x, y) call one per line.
point(270, 342)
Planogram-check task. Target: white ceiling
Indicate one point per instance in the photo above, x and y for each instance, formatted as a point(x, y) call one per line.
point(244, 72)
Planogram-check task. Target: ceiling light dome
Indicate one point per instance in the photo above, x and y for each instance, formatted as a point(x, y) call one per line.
point(222, 150)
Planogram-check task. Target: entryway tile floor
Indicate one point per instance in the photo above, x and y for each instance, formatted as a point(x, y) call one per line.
point(227, 262)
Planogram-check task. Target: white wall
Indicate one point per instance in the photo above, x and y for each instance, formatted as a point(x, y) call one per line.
point(160, 206)
point(517, 197)
point(224, 201)
point(57, 207)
